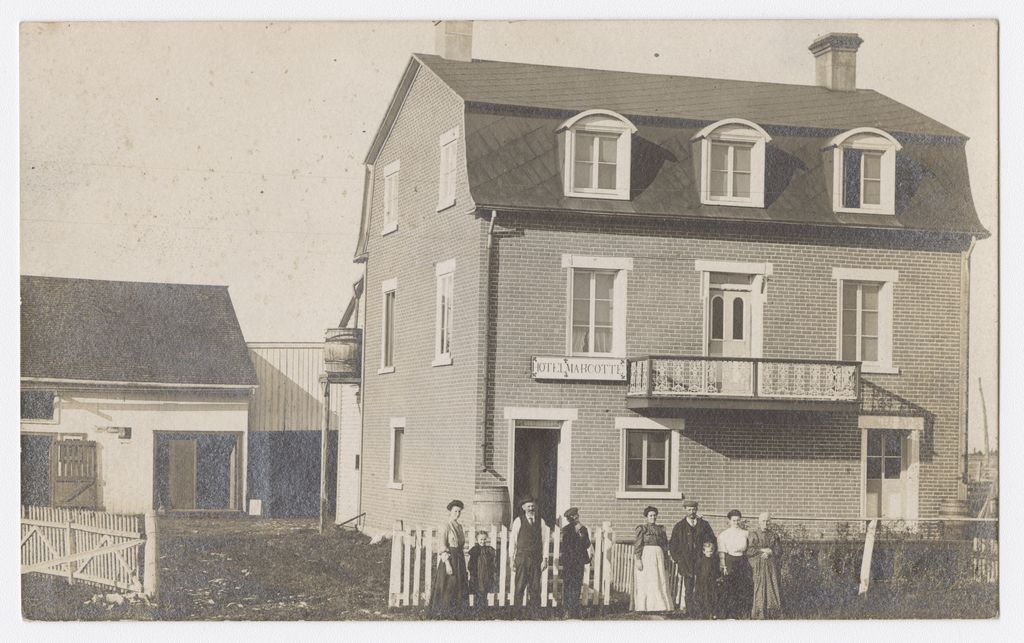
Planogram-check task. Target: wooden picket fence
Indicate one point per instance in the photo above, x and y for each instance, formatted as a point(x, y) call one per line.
point(623, 566)
point(985, 560)
point(91, 547)
point(414, 562)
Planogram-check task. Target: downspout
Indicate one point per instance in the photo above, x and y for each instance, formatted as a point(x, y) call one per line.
point(965, 324)
point(485, 442)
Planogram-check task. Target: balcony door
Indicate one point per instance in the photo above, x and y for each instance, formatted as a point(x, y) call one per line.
point(729, 317)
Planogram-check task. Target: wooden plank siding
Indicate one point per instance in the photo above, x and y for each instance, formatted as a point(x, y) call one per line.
point(289, 396)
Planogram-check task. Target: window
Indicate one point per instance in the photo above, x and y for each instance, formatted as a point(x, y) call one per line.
point(597, 148)
point(445, 272)
point(650, 457)
point(390, 198)
point(39, 406)
point(389, 289)
point(647, 461)
point(449, 152)
point(597, 305)
point(865, 317)
point(395, 480)
point(864, 178)
point(732, 154)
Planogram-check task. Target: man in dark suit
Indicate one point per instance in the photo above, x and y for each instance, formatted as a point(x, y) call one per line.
point(575, 553)
point(688, 536)
point(527, 554)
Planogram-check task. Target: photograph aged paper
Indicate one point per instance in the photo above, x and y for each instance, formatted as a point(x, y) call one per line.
point(509, 320)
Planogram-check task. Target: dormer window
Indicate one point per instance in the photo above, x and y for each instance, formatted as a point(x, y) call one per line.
point(864, 171)
point(732, 163)
point(596, 148)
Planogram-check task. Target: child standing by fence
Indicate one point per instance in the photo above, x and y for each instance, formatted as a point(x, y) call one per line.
point(482, 564)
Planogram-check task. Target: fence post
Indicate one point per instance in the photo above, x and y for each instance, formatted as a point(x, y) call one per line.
point(606, 561)
point(151, 555)
point(70, 540)
point(865, 563)
point(394, 586)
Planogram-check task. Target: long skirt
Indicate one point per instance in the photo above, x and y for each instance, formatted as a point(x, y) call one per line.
point(448, 596)
point(767, 597)
point(651, 586)
point(737, 592)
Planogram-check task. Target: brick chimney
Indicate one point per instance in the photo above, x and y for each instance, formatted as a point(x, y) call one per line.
point(453, 39)
point(835, 61)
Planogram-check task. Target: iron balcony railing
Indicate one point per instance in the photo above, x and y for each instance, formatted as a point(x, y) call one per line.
point(683, 376)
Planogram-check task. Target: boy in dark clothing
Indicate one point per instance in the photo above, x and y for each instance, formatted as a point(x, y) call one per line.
point(706, 589)
point(482, 565)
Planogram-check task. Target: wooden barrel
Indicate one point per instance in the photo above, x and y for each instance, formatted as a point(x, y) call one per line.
point(341, 350)
point(491, 506)
point(954, 508)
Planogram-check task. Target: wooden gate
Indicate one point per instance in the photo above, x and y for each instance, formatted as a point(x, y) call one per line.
point(414, 561)
point(73, 473)
point(83, 546)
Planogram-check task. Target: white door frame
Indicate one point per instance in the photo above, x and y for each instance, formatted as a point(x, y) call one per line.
point(911, 451)
point(566, 417)
point(758, 295)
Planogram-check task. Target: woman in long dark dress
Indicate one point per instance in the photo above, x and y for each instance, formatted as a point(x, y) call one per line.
point(764, 551)
point(732, 549)
point(448, 596)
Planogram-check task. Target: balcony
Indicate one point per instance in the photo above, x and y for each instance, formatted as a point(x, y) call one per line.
point(674, 381)
point(343, 355)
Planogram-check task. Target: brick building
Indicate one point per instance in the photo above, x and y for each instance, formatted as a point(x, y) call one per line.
point(611, 289)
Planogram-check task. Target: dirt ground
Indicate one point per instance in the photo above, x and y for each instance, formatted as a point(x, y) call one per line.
point(282, 569)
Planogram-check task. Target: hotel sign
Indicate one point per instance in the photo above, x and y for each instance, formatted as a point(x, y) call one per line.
point(579, 368)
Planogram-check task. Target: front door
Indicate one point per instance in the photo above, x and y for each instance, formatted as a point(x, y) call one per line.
point(729, 333)
point(536, 469)
point(886, 474)
point(182, 473)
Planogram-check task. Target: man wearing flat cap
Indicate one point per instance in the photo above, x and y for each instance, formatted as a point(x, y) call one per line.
point(688, 538)
point(574, 552)
point(527, 553)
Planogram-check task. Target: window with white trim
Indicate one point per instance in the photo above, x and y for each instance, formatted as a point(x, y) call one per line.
point(864, 171)
point(597, 305)
point(445, 272)
point(39, 406)
point(395, 480)
point(647, 460)
point(732, 154)
point(390, 223)
point(389, 290)
point(597, 149)
point(446, 183)
point(866, 318)
point(649, 457)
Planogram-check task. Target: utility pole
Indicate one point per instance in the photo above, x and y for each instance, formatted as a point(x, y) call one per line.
point(984, 425)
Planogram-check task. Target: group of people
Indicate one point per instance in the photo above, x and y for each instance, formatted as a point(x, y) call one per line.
point(735, 575)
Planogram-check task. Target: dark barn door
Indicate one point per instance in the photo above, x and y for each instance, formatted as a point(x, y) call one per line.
point(35, 469)
point(73, 473)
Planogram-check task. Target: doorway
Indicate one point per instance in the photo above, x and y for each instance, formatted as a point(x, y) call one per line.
point(197, 471)
point(729, 330)
point(886, 473)
point(536, 465)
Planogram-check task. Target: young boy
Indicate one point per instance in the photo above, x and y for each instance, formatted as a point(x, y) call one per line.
point(482, 567)
point(706, 589)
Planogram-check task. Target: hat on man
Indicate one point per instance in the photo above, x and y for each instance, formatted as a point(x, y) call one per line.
point(689, 503)
point(527, 501)
point(572, 513)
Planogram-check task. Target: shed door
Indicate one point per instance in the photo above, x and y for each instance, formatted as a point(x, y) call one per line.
point(182, 473)
point(73, 472)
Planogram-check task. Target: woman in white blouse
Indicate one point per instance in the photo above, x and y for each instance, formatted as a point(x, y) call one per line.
point(732, 552)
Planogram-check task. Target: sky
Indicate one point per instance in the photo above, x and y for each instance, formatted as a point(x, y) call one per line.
point(231, 153)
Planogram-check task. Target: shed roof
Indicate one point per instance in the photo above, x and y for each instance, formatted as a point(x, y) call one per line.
point(131, 332)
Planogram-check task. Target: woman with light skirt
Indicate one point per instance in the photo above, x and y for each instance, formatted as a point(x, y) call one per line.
point(651, 579)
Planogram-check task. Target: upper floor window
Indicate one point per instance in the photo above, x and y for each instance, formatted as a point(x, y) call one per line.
point(449, 153)
point(866, 317)
point(445, 272)
point(864, 171)
point(389, 289)
point(39, 406)
point(597, 304)
point(597, 148)
point(732, 155)
point(390, 198)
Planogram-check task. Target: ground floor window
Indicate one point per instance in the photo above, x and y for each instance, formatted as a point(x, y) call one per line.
point(397, 450)
point(195, 471)
point(39, 406)
point(649, 457)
